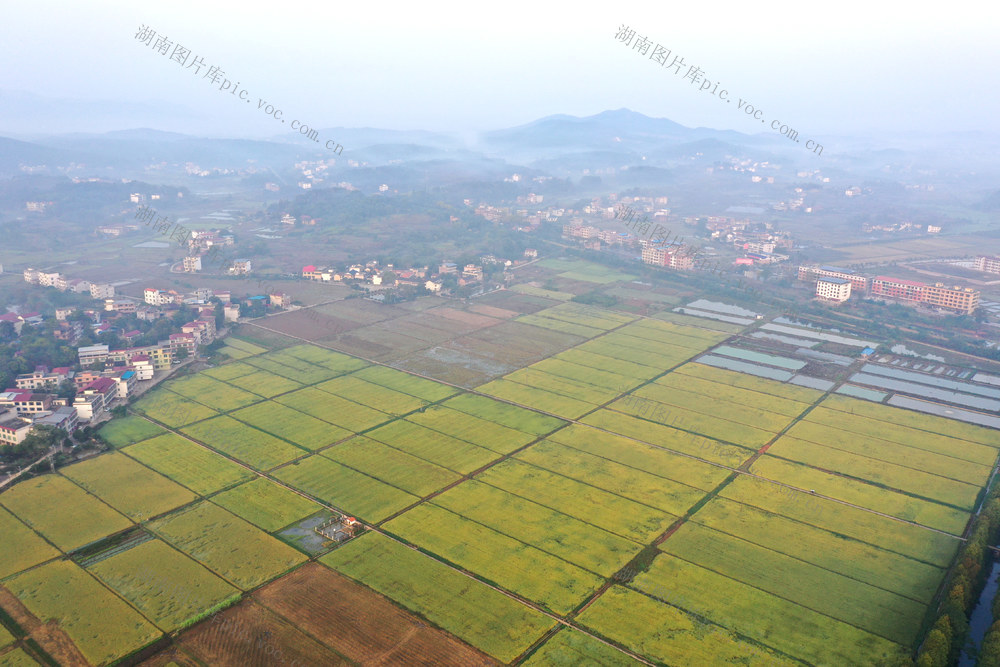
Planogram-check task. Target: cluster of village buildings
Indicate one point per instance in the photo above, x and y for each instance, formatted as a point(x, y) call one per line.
point(425, 277)
point(838, 285)
point(34, 401)
point(109, 374)
point(67, 284)
point(759, 243)
point(900, 227)
point(156, 303)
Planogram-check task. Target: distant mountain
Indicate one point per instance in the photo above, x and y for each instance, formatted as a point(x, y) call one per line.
point(139, 147)
point(356, 138)
point(991, 203)
point(607, 130)
point(633, 136)
point(24, 113)
point(14, 154)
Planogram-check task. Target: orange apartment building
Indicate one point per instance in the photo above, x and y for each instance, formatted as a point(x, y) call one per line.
point(960, 299)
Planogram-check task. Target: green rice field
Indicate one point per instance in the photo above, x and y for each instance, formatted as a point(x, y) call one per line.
point(199, 469)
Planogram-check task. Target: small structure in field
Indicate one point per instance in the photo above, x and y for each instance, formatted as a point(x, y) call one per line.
point(338, 528)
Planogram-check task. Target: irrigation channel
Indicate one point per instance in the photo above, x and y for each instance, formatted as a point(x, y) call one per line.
point(982, 617)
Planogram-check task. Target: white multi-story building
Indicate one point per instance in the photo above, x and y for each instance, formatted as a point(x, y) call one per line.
point(983, 263)
point(158, 297)
point(92, 354)
point(143, 367)
point(48, 279)
point(240, 267)
point(833, 289)
point(102, 290)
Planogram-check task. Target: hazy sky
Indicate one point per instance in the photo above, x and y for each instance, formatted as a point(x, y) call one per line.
point(842, 67)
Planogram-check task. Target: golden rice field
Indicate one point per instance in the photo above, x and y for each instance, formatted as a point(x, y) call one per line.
point(636, 500)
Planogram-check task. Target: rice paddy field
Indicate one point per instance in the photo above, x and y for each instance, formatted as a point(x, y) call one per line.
point(166, 586)
point(231, 547)
point(612, 501)
point(102, 626)
point(128, 430)
point(128, 486)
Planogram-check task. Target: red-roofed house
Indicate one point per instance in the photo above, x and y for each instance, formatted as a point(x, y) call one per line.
point(13, 430)
point(25, 402)
point(15, 319)
point(83, 378)
point(96, 398)
point(313, 273)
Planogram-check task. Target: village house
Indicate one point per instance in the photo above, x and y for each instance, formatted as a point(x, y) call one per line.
point(13, 429)
point(96, 398)
point(42, 377)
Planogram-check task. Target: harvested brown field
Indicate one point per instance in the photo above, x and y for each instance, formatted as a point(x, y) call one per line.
point(170, 657)
point(363, 312)
point(49, 635)
point(361, 624)
point(576, 287)
point(454, 366)
point(309, 324)
point(413, 328)
point(488, 353)
point(493, 311)
point(390, 345)
point(418, 305)
point(522, 303)
point(471, 319)
point(258, 335)
point(358, 346)
point(519, 342)
point(515, 355)
point(247, 635)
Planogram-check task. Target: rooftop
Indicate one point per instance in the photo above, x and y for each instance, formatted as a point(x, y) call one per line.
point(100, 384)
point(900, 281)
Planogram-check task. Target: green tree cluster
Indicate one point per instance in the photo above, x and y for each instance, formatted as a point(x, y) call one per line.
point(945, 640)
